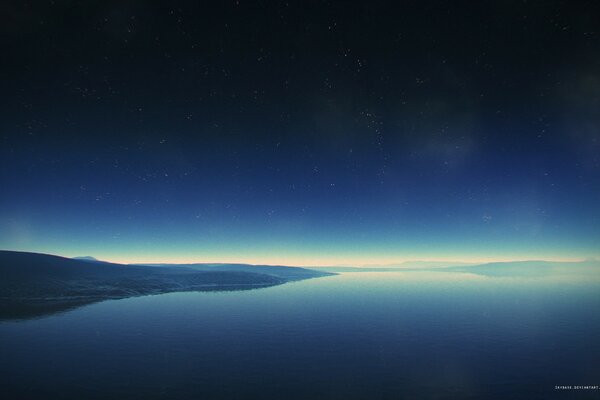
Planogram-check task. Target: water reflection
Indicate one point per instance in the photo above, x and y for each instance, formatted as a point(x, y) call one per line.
point(419, 334)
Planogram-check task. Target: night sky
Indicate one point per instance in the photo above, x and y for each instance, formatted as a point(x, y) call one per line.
point(301, 133)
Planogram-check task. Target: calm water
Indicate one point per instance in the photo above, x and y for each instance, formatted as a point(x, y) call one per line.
point(351, 336)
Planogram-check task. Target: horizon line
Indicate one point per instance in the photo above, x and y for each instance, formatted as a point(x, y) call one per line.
point(296, 263)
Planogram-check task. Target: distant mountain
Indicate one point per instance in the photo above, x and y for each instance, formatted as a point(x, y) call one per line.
point(86, 258)
point(34, 284)
point(418, 264)
point(336, 270)
point(532, 268)
point(433, 264)
point(404, 266)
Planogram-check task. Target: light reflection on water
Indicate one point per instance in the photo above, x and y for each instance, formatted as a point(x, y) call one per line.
point(355, 335)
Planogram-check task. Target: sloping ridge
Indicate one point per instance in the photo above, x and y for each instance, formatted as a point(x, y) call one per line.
point(280, 271)
point(33, 284)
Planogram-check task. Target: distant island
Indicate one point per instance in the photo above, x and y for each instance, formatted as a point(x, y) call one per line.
point(33, 284)
point(528, 268)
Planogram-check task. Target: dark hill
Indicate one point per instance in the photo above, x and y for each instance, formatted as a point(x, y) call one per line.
point(283, 272)
point(36, 284)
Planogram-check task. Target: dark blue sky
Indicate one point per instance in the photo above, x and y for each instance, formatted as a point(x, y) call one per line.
point(301, 132)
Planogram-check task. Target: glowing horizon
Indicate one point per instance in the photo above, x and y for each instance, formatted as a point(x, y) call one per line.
point(315, 260)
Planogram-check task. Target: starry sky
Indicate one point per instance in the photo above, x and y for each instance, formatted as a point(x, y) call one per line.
point(301, 133)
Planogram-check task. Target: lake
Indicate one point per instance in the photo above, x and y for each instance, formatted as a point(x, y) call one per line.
point(371, 335)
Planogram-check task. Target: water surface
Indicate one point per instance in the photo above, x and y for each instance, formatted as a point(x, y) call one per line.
point(372, 335)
